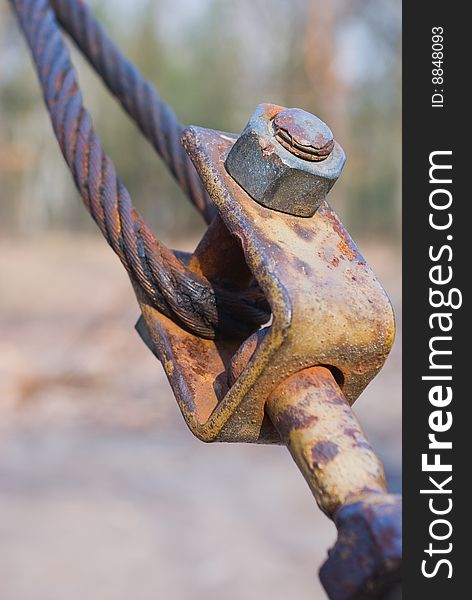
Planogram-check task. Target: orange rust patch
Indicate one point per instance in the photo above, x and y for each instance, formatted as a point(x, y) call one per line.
point(346, 250)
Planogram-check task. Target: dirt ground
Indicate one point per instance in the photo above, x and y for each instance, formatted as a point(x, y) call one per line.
point(104, 493)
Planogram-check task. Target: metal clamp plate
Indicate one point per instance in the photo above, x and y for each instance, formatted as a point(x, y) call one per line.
point(327, 306)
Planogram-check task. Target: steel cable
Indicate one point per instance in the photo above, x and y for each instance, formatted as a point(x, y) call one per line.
point(138, 97)
point(186, 297)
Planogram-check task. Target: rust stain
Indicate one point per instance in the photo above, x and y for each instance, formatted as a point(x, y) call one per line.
point(323, 452)
point(347, 250)
point(292, 418)
point(221, 397)
point(345, 244)
point(334, 261)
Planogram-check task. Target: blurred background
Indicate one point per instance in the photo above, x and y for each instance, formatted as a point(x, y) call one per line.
point(104, 494)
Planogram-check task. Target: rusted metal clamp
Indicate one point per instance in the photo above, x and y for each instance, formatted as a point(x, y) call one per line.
point(332, 327)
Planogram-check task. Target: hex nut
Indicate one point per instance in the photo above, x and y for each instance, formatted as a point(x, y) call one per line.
point(275, 177)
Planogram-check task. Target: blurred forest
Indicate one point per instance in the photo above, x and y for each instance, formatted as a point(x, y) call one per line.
point(213, 61)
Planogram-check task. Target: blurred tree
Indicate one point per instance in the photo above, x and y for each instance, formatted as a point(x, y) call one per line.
point(214, 61)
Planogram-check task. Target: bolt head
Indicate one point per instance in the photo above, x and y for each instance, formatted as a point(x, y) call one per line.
point(303, 134)
point(286, 160)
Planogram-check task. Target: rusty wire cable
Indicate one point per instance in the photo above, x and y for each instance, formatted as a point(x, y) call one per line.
point(167, 283)
point(139, 98)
